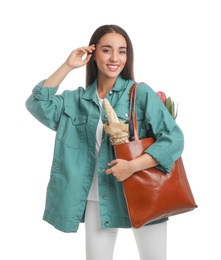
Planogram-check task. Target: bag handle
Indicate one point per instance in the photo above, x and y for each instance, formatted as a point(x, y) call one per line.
point(133, 117)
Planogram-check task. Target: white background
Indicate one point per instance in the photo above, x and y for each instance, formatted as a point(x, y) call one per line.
point(177, 50)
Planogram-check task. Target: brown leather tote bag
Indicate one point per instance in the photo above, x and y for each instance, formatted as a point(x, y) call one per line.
point(152, 194)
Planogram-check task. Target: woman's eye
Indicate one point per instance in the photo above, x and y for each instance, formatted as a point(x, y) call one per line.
point(106, 50)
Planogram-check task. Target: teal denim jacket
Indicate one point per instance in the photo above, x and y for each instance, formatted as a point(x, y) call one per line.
point(74, 116)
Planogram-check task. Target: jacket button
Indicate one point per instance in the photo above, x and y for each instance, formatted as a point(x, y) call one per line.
point(106, 223)
point(103, 169)
point(105, 196)
point(110, 93)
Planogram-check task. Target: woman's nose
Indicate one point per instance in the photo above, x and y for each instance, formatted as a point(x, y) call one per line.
point(113, 57)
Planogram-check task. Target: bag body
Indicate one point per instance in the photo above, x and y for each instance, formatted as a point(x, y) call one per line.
point(152, 194)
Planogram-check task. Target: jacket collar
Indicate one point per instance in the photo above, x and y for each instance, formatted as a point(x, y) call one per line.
point(90, 93)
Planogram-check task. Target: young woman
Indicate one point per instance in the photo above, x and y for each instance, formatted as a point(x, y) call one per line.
point(85, 181)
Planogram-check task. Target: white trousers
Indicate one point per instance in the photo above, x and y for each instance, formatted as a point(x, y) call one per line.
point(151, 240)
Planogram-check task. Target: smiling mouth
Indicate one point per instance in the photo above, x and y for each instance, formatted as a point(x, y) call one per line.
point(113, 67)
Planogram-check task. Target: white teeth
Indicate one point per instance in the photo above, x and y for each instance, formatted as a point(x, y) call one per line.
point(113, 67)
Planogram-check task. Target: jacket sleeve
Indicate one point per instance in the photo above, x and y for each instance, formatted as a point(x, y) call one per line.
point(45, 106)
point(169, 143)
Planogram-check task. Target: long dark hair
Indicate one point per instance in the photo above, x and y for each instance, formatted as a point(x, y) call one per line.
point(91, 67)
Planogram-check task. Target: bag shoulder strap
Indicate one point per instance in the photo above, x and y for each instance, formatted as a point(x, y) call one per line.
point(132, 116)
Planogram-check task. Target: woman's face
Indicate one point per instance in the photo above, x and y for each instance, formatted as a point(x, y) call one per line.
point(111, 55)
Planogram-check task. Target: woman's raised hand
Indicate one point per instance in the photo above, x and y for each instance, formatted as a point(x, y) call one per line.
point(80, 56)
point(75, 60)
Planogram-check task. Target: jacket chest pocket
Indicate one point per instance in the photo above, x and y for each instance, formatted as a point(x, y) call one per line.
point(123, 115)
point(122, 112)
point(72, 128)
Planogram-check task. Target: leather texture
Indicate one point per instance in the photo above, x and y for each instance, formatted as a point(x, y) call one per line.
point(152, 194)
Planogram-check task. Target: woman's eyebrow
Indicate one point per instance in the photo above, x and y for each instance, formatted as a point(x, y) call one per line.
point(109, 46)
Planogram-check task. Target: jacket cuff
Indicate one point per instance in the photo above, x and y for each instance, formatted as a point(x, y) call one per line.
point(162, 156)
point(44, 93)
